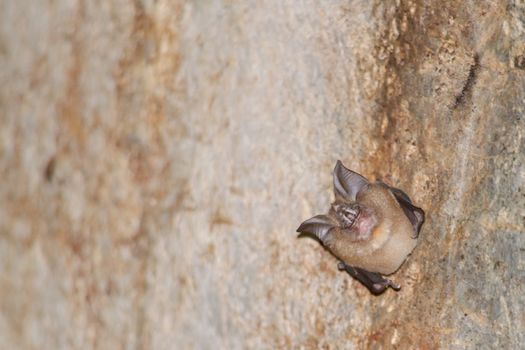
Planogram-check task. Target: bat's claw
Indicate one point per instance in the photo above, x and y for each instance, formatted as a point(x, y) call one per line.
point(380, 287)
point(393, 285)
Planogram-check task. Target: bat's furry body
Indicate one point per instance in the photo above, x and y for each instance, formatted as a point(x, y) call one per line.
point(371, 228)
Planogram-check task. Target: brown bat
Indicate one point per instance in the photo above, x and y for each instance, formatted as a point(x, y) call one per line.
point(371, 228)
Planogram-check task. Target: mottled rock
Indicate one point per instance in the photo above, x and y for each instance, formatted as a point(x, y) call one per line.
point(157, 157)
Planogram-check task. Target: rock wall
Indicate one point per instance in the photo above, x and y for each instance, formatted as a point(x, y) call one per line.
point(157, 157)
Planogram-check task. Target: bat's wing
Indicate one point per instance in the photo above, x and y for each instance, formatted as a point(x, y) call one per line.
point(414, 214)
point(375, 283)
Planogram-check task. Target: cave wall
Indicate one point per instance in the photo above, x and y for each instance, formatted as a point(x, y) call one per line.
point(157, 157)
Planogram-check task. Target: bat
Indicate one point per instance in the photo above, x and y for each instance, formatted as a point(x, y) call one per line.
point(370, 227)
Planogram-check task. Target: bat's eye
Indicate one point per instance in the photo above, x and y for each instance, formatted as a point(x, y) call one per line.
point(347, 214)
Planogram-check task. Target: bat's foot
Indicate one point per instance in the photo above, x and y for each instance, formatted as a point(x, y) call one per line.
point(376, 283)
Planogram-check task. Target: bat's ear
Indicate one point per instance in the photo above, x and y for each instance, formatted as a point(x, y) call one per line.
point(347, 183)
point(415, 215)
point(319, 226)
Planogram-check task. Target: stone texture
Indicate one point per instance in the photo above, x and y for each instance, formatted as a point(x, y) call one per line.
point(157, 157)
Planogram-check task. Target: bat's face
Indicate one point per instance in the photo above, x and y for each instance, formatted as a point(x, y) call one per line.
point(354, 219)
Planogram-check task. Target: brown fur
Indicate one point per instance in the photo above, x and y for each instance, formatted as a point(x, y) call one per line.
point(390, 241)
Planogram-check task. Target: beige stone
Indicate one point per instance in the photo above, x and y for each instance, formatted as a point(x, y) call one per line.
point(157, 157)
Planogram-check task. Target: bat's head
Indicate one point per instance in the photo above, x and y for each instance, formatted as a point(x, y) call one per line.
point(355, 210)
point(346, 213)
point(354, 219)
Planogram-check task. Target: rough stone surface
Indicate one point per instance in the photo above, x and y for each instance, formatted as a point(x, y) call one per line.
point(157, 157)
